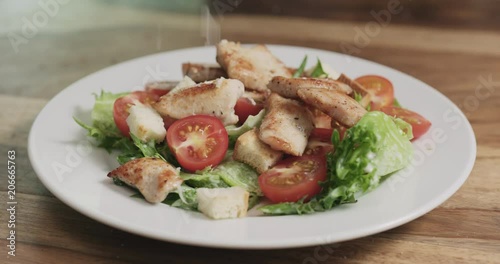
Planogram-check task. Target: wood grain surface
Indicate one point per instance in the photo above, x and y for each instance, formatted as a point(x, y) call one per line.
point(85, 36)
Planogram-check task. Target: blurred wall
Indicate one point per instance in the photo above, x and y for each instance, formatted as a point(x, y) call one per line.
point(441, 13)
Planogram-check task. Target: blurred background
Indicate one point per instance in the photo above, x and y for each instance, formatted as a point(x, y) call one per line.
point(70, 39)
point(443, 13)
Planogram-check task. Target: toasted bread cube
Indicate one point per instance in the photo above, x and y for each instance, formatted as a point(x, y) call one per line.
point(222, 203)
point(250, 150)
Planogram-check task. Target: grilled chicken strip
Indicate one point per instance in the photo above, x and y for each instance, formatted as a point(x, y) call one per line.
point(288, 87)
point(153, 177)
point(201, 72)
point(286, 126)
point(255, 66)
point(216, 98)
point(338, 105)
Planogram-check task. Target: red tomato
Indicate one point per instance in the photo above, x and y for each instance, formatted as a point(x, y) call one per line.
point(293, 179)
point(122, 104)
point(322, 133)
point(244, 108)
point(381, 90)
point(198, 141)
point(320, 142)
point(419, 124)
point(160, 88)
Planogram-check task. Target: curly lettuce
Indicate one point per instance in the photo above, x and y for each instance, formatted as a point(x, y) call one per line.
point(103, 128)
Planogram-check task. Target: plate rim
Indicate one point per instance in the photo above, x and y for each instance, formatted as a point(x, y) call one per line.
point(255, 244)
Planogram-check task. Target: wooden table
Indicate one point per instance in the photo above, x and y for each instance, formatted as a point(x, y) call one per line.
point(85, 36)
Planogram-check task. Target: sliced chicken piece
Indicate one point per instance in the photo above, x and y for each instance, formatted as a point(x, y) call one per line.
point(357, 87)
point(216, 98)
point(201, 72)
point(286, 126)
point(255, 66)
point(250, 150)
point(153, 177)
point(338, 105)
point(288, 87)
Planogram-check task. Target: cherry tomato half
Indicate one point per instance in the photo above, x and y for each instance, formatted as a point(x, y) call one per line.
point(198, 141)
point(244, 108)
point(320, 142)
point(122, 105)
point(381, 90)
point(294, 178)
point(419, 124)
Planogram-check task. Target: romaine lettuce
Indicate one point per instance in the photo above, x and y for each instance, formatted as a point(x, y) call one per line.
point(103, 128)
point(227, 174)
point(235, 173)
point(203, 179)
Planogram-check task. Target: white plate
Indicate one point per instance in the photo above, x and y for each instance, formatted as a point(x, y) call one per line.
point(76, 173)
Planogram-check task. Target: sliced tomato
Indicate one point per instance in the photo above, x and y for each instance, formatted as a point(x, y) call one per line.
point(160, 88)
point(419, 124)
point(322, 133)
point(380, 89)
point(293, 179)
point(122, 105)
point(320, 142)
point(245, 107)
point(198, 141)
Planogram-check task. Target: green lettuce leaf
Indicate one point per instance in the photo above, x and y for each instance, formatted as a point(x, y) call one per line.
point(376, 146)
point(102, 113)
point(235, 173)
point(234, 132)
point(141, 149)
point(183, 197)
point(203, 179)
point(318, 71)
point(227, 174)
point(103, 128)
point(301, 68)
